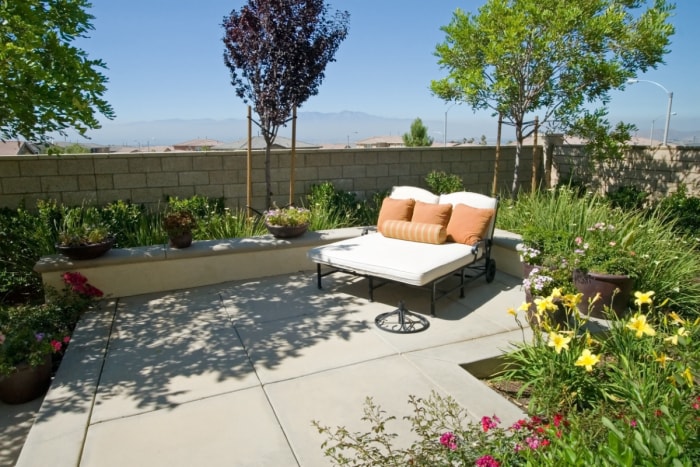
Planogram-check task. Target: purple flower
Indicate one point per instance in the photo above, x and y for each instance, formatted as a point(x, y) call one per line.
point(39, 336)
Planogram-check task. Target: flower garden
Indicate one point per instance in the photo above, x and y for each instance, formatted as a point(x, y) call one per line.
point(623, 393)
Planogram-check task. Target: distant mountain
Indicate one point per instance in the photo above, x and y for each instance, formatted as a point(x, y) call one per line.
point(312, 127)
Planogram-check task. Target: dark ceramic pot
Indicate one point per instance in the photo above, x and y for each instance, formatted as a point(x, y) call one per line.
point(82, 252)
point(181, 241)
point(286, 231)
point(615, 292)
point(26, 383)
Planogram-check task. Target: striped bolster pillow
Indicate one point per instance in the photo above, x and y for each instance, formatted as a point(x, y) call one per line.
point(414, 231)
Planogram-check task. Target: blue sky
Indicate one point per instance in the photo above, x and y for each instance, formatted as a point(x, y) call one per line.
point(165, 61)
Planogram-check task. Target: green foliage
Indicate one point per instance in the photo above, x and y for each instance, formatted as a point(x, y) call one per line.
point(441, 182)
point(332, 208)
point(418, 135)
point(603, 142)
point(48, 84)
point(30, 333)
point(684, 211)
point(551, 221)
point(550, 58)
point(627, 197)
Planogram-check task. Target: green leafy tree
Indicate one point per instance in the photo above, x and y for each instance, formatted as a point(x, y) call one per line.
point(277, 51)
point(516, 57)
point(418, 135)
point(46, 83)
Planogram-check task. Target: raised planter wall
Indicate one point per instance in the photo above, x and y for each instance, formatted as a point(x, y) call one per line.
point(133, 271)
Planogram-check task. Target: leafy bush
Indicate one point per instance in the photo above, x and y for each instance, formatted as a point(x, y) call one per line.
point(684, 211)
point(628, 197)
point(332, 208)
point(443, 183)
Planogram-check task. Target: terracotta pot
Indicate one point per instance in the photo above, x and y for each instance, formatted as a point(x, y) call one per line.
point(286, 231)
point(181, 241)
point(26, 383)
point(86, 251)
point(615, 292)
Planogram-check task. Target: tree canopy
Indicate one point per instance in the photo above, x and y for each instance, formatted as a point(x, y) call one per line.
point(518, 57)
point(46, 83)
point(277, 52)
point(418, 135)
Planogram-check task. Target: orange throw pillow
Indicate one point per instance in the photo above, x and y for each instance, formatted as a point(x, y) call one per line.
point(468, 225)
point(395, 209)
point(415, 231)
point(428, 213)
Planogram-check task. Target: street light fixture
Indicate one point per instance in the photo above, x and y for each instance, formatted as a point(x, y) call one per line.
point(651, 133)
point(445, 133)
point(670, 103)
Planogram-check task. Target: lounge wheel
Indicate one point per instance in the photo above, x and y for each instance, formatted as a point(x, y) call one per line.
point(490, 270)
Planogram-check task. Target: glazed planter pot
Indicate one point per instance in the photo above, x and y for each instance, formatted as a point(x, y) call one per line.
point(615, 291)
point(26, 383)
point(83, 252)
point(181, 241)
point(287, 231)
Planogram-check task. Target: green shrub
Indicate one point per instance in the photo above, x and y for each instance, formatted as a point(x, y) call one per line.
point(442, 183)
point(684, 211)
point(332, 208)
point(628, 197)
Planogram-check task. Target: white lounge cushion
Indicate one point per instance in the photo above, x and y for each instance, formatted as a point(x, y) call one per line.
point(413, 192)
point(397, 260)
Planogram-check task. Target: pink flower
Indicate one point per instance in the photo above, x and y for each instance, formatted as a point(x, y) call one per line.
point(66, 339)
point(533, 442)
point(487, 461)
point(578, 240)
point(56, 345)
point(633, 423)
point(449, 440)
point(488, 423)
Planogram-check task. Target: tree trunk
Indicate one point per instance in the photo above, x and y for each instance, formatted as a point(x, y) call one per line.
point(518, 151)
point(268, 178)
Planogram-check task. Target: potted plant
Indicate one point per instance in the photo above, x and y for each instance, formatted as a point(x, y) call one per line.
point(606, 267)
point(178, 224)
point(83, 241)
point(30, 335)
point(287, 222)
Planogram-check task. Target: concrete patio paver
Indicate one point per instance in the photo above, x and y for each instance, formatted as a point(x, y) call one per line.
point(233, 374)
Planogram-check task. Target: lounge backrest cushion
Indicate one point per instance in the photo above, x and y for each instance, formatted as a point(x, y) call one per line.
point(468, 224)
point(413, 192)
point(395, 209)
point(428, 213)
point(414, 231)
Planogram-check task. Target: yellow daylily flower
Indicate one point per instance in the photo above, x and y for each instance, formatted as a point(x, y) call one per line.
point(682, 332)
point(673, 340)
point(663, 358)
point(524, 307)
point(638, 323)
point(688, 376)
point(512, 312)
point(675, 318)
point(558, 341)
point(572, 300)
point(643, 298)
point(545, 304)
point(587, 359)
point(556, 293)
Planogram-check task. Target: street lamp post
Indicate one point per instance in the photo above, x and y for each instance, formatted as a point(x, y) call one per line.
point(670, 103)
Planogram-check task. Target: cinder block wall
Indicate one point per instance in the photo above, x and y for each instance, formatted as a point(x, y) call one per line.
point(148, 178)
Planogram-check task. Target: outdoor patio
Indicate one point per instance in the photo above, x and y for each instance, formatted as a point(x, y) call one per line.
point(233, 374)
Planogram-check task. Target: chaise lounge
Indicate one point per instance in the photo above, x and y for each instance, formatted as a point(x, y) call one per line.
point(421, 240)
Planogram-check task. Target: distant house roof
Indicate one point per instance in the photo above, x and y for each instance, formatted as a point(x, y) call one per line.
point(17, 148)
point(381, 142)
point(258, 142)
point(199, 144)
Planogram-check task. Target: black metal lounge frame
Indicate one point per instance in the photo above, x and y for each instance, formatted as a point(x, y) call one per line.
point(484, 266)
